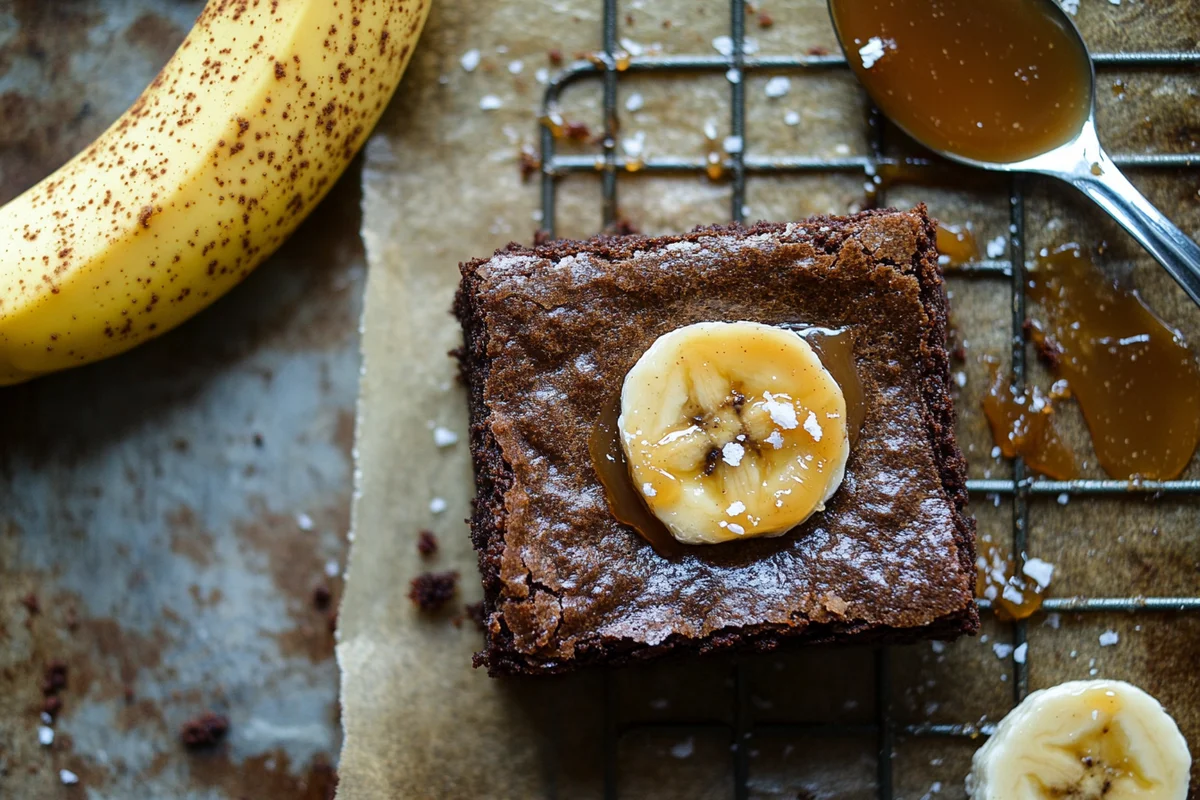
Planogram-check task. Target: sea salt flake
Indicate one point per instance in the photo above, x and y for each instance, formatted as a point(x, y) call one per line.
point(47, 719)
point(542, 75)
point(515, 67)
point(871, 52)
point(1054, 621)
point(490, 102)
point(996, 247)
point(791, 118)
point(634, 145)
point(67, 777)
point(470, 60)
point(331, 568)
point(775, 440)
point(938, 647)
point(633, 48)
point(813, 427)
point(45, 736)
point(1013, 595)
point(732, 453)
point(437, 505)
point(1019, 653)
point(304, 522)
point(735, 508)
point(732, 144)
point(1109, 638)
point(735, 528)
point(444, 437)
point(1002, 650)
point(684, 749)
point(996, 451)
point(733, 75)
point(778, 86)
point(635, 102)
point(1040, 571)
point(1063, 499)
point(648, 490)
point(782, 413)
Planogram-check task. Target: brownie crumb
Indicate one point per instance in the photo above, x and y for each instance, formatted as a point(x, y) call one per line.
point(321, 597)
point(765, 20)
point(475, 614)
point(204, 731)
point(624, 227)
point(556, 57)
point(52, 706)
point(431, 590)
point(528, 162)
point(540, 237)
point(577, 131)
point(1049, 351)
point(54, 678)
point(427, 543)
point(30, 601)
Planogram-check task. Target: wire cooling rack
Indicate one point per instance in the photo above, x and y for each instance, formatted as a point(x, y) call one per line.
point(608, 65)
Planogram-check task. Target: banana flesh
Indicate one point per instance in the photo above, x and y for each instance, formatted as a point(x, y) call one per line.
point(1085, 740)
point(237, 139)
point(733, 430)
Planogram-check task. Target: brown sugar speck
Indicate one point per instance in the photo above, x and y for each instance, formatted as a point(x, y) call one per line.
point(203, 731)
point(556, 57)
point(427, 543)
point(765, 20)
point(431, 590)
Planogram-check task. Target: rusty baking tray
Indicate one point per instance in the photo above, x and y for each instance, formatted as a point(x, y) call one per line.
point(606, 67)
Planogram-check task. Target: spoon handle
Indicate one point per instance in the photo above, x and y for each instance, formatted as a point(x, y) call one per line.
point(1113, 192)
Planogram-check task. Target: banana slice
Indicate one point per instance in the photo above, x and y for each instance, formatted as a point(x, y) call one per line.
point(733, 430)
point(1084, 740)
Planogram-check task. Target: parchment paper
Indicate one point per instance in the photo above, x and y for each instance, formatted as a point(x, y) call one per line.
point(442, 186)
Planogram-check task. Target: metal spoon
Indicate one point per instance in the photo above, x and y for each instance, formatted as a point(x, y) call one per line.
point(1083, 163)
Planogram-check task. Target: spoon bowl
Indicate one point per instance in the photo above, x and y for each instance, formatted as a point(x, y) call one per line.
point(1008, 86)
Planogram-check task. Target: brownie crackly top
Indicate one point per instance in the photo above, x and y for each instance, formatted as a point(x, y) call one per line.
point(551, 333)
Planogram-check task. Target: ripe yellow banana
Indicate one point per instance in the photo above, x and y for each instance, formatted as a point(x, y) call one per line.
point(237, 139)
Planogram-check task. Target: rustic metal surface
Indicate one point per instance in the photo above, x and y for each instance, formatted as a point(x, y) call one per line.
point(172, 510)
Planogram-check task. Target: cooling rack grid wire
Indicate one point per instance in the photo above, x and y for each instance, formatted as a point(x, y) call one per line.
point(609, 63)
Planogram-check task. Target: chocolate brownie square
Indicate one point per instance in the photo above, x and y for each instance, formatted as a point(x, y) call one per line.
point(550, 333)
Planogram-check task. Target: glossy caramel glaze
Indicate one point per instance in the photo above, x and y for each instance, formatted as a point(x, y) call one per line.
point(957, 244)
point(999, 81)
point(1022, 424)
point(1012, 596)
point(1133, 375)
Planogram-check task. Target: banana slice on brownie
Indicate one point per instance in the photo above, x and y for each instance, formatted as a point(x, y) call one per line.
point(733, 430)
